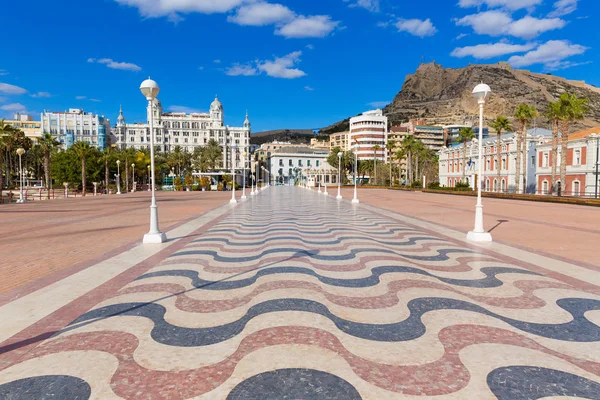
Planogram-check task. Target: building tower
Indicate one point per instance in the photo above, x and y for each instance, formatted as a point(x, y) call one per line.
point(157, 106)
point(216, 113)
point(121, 119)
point(247, 124)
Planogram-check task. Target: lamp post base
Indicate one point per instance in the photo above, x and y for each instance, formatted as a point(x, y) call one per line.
point(338, 197)
point(21, 201)
point(233, 201)
point(479, 236)
point(155, 238)
point(244, 197)
point(355, 201)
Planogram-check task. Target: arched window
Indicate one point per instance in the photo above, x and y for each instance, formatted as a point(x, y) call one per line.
point(545, 187)
point(487, 185)
point(576, 188)
point(504, 164)
point(495, 185)
point(503, 186)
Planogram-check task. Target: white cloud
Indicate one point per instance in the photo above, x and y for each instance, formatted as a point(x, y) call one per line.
point(283, 67)
point(309, 89)
point(241, 69)
point(551, 54)
point(491, 50)
point(371, 5)
point(184, 109)
point(110, 63)
point(383, 24)
point(201, 68)
point(18, 107)
point(173, 8)
point(81, 97)
point(95, 100)
point(308, 27)
point(556, 65)
point(3, 72)
point(462, 35)
point(563, 7)
point(217, 61)
point(378, 104)
point(3, 99)
point(310, 47)
point(509, 4)
point(416, 27)
point(280, 67)
point(91, 60)
point(41, 95)
point(260, 14)
point(497, 23)
point(11, 89)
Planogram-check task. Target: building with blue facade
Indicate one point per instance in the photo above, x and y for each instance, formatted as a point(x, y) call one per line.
point(76, 125)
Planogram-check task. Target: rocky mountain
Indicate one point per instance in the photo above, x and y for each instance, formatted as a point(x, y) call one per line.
point(296, 136)
point(443, 95)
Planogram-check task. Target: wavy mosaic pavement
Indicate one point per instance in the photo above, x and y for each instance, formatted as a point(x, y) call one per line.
point(295, 295)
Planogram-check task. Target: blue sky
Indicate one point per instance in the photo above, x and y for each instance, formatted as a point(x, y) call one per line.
point(292, 64)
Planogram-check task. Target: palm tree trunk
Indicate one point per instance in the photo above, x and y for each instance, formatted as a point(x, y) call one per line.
point(464, 166)
point(554, 155)
point(524, 156)
point(564, 140)
point(83, 176)
point(106, 177)
point(126, 175)
point(499, 161)
point(518, 164)
point(1, 180)
point(47, 172)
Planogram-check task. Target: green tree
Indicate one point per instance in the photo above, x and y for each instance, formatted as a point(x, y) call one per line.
point(82, 150)
point(500, 124)
point(390, 146)
point(524, 114)
point(376, 148)
point(571, 108)
point(213, 154)
point(465, 135)
point(5, 132)
point(409, 145)
point(48, 144)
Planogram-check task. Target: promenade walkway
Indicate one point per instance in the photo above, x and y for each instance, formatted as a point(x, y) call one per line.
point(294, 295)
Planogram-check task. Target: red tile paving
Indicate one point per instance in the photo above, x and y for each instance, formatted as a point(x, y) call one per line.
point(562, 231)
point(44, 237)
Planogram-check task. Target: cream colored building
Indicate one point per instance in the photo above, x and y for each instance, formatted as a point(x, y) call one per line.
point(340, 140)
point(25, 123)
point(188, 131)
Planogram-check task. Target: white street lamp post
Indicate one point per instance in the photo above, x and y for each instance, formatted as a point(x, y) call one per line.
point(478, 234)
point(22, 199)
point(118, 177)
point(245, 155)
point(355, 199)
point(149, 178)
point(339, 195)
point(318, 175)
point(133, 177)
point(233, 200)
point(150, 90)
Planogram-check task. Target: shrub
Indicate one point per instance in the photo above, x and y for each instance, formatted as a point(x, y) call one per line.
point(417, 184)
point(433, 185)
point(464, 185)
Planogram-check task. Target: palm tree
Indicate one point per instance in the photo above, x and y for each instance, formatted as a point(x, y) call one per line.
point(5, 131)
point(83, 150)
point(571, 108)
point(390, 146)
point(408, 146)
point(400, 155)
point(376, 148)
point(500, 124)
point(553, 115)
point(465, 135)
point(213, 154)
point(129, 154)
point(48, 143)
point(524, 114)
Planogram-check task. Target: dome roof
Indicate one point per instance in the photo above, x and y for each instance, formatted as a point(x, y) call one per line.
point(216, 104)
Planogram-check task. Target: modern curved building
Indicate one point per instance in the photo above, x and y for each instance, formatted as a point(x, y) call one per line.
point(369, 130)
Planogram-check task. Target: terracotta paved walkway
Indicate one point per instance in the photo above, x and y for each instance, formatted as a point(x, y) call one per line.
point(295, 295)
point(43, 237)
point(560, 230)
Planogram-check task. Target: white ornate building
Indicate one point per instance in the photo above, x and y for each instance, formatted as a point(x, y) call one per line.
point(452, 163)
point(76, 125)
point(368, 130)
point(187, 131)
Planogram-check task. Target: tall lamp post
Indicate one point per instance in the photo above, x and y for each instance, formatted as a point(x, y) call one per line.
point(339, 195)
point(233, 200)
point(118, 176)
point(22, 199)
point(133, 177)
point(597, 136)
point(149, 178)
point(478, 234)
point(324, 176)
point(150, 90)
point(355, 199)
point(245, 155)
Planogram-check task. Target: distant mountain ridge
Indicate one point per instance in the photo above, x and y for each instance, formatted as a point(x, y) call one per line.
point(295, 136)
point(443, 95)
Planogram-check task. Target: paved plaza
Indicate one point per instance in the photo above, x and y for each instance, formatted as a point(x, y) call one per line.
point(294, 295)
